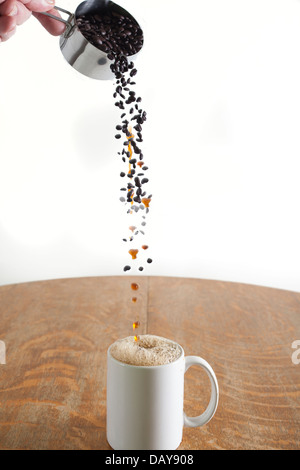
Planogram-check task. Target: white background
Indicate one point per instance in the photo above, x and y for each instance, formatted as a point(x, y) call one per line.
point(220, 82)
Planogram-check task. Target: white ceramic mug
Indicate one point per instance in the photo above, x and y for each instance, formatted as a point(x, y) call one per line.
point(145, 403)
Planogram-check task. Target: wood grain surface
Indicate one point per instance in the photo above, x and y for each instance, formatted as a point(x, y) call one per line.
point(53, 386)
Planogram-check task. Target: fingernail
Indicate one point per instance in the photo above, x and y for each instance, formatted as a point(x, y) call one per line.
point(14, 11)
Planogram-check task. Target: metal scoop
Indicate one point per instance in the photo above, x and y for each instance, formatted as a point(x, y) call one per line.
point(92, 60)
point(90, 5)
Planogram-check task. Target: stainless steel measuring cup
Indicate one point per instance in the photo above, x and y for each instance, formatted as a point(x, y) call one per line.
point(77, 50)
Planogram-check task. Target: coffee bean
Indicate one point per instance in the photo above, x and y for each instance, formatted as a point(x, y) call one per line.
point(119, 36)
point(133, 72)
point(137, 181)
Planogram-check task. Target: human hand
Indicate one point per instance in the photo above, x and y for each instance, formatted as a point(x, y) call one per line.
point(15, 12)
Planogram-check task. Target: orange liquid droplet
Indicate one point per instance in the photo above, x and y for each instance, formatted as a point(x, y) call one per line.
point(134, 286)
point(135, 325)
point(136, 338)
point(130, 153)
point(133, 253)
point(134, 300)
point(146, 201)
point(145, 247)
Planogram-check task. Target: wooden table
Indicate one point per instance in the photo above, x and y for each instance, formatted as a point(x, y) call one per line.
point(53, 386)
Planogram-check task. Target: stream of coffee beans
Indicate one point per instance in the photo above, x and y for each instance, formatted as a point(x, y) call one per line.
point(120, 37)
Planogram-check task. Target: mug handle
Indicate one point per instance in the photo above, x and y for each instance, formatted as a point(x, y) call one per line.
point(214, 398)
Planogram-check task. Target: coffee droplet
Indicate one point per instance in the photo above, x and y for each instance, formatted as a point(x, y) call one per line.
point(146, 201)
point(133, 253)
point(134, 286)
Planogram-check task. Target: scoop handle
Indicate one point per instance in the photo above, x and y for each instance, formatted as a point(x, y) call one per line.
point(66, 22)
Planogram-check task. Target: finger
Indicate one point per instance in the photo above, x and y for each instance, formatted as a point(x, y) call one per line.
point(7, 24)
point(7, 27)
point(39, 5)
point(15, 8)
point(5, 37)
point(23, 13)
point(54, 27)
point(8, 8)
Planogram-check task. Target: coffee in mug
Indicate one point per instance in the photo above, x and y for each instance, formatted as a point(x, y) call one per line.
point(148, 351)
point(145, 392)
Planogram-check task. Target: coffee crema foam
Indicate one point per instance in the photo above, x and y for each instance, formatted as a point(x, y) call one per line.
point(149, 350)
